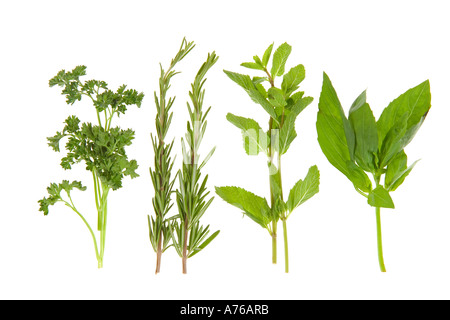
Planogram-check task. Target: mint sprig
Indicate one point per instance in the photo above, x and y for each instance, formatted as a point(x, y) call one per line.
point(283, 105)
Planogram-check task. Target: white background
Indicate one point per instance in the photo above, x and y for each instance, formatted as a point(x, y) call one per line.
point(385, 47)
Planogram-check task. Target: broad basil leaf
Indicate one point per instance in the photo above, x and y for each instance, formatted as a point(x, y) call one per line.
point(379, 197)
point(393, 183)
point(365, 128)
point(336, 137)
point(393, 142)
point(358, 177)
point(415, 103)
point(395, 168)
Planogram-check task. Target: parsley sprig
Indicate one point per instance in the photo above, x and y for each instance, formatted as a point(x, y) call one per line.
point(100, 146)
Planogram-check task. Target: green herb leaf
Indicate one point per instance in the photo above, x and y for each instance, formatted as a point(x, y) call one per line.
point(241, 79)
point(53, 142)
point(204, 243)
point(54, 191)
point(287, 132)
point(276, 97)
point(280, 57)
point(414, 103)
point(365, 128)
point(255, 139)
point(266, 55)
point(246, 83)
point(252, 65)
point(304, 189)
point(258, 61)
point(393, 141)
point(380, 198)
point(397, 172)
point(335, 135)
point(292, 79)
point(395, 169)
point(257, 97)
point(358, 177)
point(255, 207)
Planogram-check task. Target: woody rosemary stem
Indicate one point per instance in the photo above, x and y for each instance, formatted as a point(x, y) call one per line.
point(158, 254)
point(379, 241)
point(185, 253)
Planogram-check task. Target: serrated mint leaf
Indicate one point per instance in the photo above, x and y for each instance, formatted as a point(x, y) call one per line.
point(252, 65)
point(276, 97)
point(292, 79)
point(257, 97)
point(266, 56)
point(304, 189)
point(258, 61)
point(252, 205)
point(255, 139)
point(280, 57)
point(241, 79)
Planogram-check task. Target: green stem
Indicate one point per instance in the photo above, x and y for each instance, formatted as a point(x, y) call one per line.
point(284, 218)
point(98, 119)
point(102, 218)
point(98, 198)
point(93, 101)
point(111, 114)
point(95, 191)
point(379, 240)
point(272, 199)
point(106, 120)
point(72, 206)
point(274, 242)
point(286, 251)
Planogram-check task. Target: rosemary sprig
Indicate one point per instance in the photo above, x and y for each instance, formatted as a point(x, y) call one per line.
point(163, 163)
point(188, 236)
